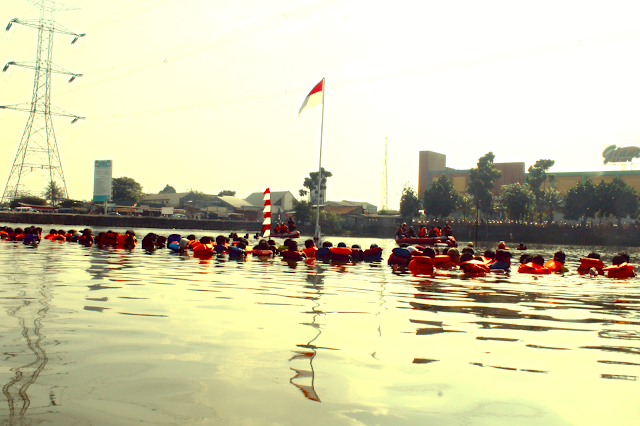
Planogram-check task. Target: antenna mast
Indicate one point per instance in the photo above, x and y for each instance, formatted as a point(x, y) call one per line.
point(38, 150)
point(384, 195)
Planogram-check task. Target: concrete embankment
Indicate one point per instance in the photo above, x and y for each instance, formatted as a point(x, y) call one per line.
point(125, 222)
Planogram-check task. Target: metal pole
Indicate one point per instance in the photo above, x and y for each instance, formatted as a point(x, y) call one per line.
point(477, 222)
point(317, 231)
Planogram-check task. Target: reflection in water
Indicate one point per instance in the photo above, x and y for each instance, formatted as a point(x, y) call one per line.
point(31, 308)
point(308, 390)
point(139, 333)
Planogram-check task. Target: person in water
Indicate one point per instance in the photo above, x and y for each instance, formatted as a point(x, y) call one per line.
point(556, 264)
point(521, 246)
point(503, 261)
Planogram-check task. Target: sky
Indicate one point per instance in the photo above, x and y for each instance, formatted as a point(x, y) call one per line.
point(205, 94)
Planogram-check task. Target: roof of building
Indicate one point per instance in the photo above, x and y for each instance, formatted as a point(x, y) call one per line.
point(237, 202)
point(164, 196)
point(350, 203)
point(340, 210)
point(257, 198)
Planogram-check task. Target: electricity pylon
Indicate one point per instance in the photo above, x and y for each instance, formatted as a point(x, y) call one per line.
point(384, 193)
point(38, 150)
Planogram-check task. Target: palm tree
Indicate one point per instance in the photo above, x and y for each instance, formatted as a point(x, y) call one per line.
point(550, 200)
point(466, 205)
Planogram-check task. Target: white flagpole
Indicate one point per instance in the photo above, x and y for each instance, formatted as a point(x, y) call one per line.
point(316, 236)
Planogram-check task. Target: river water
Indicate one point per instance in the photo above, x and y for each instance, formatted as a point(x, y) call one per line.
point(116, 337)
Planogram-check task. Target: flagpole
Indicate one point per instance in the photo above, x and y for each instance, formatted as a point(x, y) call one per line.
point(317, 232)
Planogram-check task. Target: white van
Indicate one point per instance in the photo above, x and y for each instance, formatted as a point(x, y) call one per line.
point(24, 209)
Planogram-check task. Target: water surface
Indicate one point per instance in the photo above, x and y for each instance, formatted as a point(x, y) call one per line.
point(114, 336)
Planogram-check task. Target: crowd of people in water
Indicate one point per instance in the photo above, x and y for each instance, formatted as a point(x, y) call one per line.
point(434, 231)
point(425, 259)
point(416, 258)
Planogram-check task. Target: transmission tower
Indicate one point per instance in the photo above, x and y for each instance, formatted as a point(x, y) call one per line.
point(38, 150)
point(384, 194)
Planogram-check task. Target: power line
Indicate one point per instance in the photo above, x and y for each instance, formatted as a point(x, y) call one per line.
point(395, 74)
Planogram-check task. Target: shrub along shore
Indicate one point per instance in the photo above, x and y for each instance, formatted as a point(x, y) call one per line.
point(512, 233)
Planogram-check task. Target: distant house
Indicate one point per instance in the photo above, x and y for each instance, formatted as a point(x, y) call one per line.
point(366, 207)
point(349, 214)
point(207, 206)
point(281, 202)
point(167, 199)
point(380, 220)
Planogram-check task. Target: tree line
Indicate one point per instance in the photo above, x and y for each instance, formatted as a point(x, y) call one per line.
point(531, 200)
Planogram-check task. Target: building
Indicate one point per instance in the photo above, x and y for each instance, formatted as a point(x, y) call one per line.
point(281, 202)
point(433, 165)
point(168, 199)
point(366, 207)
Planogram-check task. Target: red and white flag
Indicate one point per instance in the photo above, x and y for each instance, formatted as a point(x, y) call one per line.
point(315, 97)
point(266, 214)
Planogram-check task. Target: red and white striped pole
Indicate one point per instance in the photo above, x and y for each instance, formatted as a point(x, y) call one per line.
point(266, 214)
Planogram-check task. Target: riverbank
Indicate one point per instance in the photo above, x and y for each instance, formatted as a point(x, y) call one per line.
point(127, 222)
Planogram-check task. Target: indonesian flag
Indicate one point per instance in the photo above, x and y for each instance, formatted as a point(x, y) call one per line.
point(266, 214)
point(315, 97)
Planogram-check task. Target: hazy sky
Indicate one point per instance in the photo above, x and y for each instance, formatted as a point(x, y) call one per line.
point(205, 94)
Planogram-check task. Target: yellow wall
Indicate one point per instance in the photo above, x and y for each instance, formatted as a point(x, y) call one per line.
point(563, 183)
point(460, 183)
point(633, 181)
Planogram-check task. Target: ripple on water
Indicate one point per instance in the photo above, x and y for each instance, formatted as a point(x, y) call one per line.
point(132, 337)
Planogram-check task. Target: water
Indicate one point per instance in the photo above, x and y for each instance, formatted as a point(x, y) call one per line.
point(106, 337)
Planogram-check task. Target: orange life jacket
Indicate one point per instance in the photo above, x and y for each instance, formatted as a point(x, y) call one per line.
point(474, 267)
point(533, 268)
point(624, 270)
point(310, 252)
point(443, 261)
point(421, 264)
point(553, 265)
point(586, 263)
point(202, 249)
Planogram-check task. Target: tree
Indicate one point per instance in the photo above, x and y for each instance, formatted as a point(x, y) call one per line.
point(126, 190)
point(303, 193)
point(623, 200)
point(304, 211)
point(580, 202)
point(53, 192)
point(227, 192)
point(409, 202)
point(311, 182)
point(481, 182)
point(517, 200)
point(537, 176)
point(168, 190)
point(441, 198)
point(551, 199)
